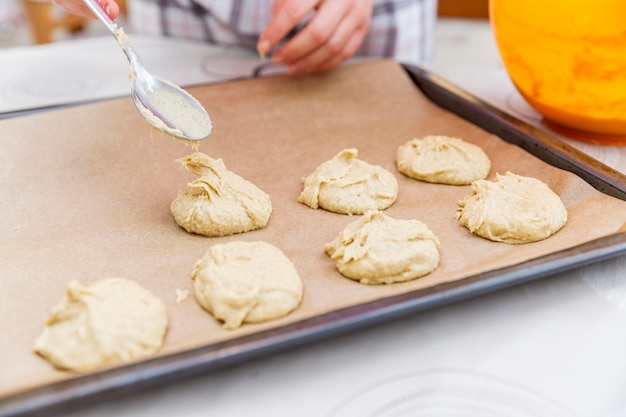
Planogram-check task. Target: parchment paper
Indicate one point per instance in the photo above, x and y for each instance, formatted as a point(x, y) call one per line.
point(85, 194)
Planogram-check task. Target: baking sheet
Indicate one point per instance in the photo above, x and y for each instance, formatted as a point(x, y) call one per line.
point(85, 194)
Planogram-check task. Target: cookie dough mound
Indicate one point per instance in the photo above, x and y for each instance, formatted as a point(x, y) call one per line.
point(443, 160)
point(378, 249)
point(512, 209)
point(109, 322)
point(347, 185)
point(246, 282)
point(219, 202)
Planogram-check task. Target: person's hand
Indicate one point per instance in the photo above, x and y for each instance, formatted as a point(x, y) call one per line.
point(77, 7)
point(333, 35)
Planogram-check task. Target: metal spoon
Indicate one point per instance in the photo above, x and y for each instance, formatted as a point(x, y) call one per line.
point(163, 104)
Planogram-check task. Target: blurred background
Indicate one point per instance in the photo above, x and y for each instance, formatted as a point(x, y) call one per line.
point(463, 34)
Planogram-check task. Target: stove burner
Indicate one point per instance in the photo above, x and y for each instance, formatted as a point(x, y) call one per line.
point(445, 393)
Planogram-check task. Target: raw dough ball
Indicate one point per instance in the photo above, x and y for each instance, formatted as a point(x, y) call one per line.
point(377, 249)
point(109, 322)
point(347, 185)
point(443, 160)
point(246, 282)
point(219, 203)
point(512, 209)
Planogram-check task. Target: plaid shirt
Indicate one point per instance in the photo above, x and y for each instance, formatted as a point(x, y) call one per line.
point(403, 29)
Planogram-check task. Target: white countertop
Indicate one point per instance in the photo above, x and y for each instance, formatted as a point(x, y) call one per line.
point(552, 347)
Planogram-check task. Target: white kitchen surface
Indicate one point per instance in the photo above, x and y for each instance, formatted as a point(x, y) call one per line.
point(553, 347)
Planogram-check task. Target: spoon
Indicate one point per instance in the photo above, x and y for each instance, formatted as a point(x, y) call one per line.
point(163, 104)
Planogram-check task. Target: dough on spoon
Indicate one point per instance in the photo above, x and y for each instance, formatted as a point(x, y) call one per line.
point(219, 202)
point(108, 322)
point(443, 160)
point(512, 209)
point(378, 249)
point(246, 282)
point(347, 185)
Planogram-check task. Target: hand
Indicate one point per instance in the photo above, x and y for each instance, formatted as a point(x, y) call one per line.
point(79, 8)
point(333, 35)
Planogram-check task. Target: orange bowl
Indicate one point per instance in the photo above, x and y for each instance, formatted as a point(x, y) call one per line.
point(567, 58)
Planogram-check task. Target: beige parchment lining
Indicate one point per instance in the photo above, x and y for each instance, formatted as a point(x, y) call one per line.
point(85, 194)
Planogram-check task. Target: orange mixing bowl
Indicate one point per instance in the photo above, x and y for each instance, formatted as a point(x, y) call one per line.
point(567, 58)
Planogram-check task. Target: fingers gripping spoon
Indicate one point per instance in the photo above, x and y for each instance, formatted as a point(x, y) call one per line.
point(163, 104)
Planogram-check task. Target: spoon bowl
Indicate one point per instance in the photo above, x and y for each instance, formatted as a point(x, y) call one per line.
point(163, 104)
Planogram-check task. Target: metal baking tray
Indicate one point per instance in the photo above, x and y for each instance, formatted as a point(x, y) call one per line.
point(107, 384)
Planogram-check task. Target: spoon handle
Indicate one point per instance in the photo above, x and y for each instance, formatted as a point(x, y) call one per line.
point(122, 40)
point(97, 9)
